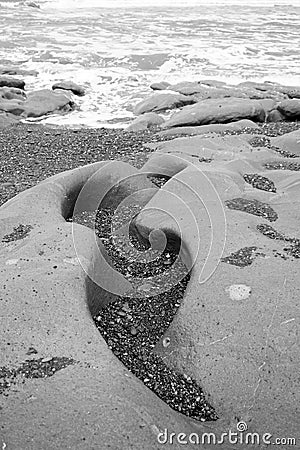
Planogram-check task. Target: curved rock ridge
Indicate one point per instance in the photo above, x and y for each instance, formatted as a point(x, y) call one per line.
point(56, 369)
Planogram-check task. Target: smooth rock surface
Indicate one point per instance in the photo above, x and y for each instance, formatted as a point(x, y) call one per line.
point(214, 128)
point(217, 111)
point(70, 86)
point(45, 101)
point(289, 142)
point(290, 109)
point(10, 93)
point(237, 329)
point(11, 82)
point(162, 102)
point(145, 121)
point(7, 119)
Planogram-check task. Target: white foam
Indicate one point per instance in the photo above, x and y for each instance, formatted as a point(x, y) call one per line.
point(71, 4)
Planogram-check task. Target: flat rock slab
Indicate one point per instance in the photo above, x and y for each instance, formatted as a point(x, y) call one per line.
point(7, 120)
point(218, 111)
point(204, 146)
point(163, 102)
point(214, 128)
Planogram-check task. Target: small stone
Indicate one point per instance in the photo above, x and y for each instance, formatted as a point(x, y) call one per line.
point(11, 262)
point(44, 360)
point(166, 342)
point(133, 331)
point(31, 351)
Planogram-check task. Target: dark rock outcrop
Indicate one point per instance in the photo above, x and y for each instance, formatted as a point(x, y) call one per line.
point(40, 103)
point(290, 109)
point(218, 111)
point(12, 93)
point(7, 119)
point(145, 121)
point(12, 82)
point(160, 86)
point(70, 86)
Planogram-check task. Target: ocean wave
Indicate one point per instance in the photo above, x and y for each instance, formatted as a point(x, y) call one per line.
point(71, 4)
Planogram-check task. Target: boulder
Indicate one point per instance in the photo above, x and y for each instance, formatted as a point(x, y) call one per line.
point(14, 106)
point(289, 142)
point(198, 145)
point(218, 111)
point(7, 120)
point(45, 101)
point(87, 397)
point(11, 82)
point(70, 86)
point(275, 116)
point(290, 109)
point(145, 121)
point(160, 86)
point(163, 102)
point(12, 93)
point(214, 128)
point(202, 91)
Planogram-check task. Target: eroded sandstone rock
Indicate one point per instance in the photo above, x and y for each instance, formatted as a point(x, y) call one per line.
point(218, 111)
point(163, 102)
point(145, 121)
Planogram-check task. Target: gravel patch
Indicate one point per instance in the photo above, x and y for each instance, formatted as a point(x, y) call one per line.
point(282, 165)
point(243, 257)
point(254, 207)
point(19, 232)
point(133, 325)
point(271, 233)
point(32, 368)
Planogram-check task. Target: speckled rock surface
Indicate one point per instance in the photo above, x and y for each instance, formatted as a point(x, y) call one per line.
point(163, 102)
point(70, 86)
point(237, 329)
point(235, 333)
point(218, 111)
point(61, 386)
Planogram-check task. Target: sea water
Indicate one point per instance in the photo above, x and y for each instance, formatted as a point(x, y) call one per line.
point(116, 48)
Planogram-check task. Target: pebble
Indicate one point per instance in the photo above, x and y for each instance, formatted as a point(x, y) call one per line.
point(44, 360)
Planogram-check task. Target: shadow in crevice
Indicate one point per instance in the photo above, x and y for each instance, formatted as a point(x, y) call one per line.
point(133, 325)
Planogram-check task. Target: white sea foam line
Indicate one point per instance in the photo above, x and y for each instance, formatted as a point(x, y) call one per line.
point(65, 4)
